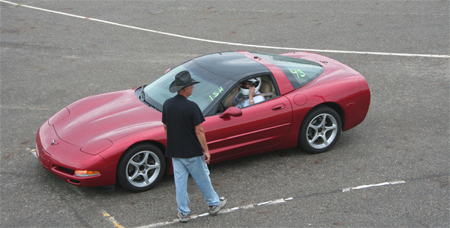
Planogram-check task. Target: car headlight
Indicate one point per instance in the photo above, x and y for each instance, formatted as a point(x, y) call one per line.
point(86, 173)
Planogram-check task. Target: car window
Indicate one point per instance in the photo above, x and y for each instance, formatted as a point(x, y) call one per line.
point(210, 89)
point(266, 91)
point(299, 71)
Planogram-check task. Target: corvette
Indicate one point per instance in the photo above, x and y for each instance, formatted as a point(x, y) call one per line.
point(118, 137)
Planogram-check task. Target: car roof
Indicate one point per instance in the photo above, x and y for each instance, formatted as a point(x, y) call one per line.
point(231, 65)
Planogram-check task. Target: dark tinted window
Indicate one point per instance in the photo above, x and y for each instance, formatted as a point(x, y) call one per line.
point(299, 71)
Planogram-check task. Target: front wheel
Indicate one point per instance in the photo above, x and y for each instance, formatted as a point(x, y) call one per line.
point(320, 130)
point(141, 168)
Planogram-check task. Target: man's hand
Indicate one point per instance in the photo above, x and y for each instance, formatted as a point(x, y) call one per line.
point(251, 93)
point(207, 156)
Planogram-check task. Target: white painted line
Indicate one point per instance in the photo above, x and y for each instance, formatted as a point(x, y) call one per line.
point(264, 203)
point(230, 43)
point(247, 207)
point(373, 185)
point(397, 182)
point(278, 201)
point(223, 211)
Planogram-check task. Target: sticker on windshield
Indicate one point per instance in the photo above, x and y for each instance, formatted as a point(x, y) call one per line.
point(216, 94)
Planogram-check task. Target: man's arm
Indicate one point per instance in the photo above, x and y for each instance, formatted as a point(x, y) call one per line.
point(250, 95)
point(202, 139)
point(230, 100)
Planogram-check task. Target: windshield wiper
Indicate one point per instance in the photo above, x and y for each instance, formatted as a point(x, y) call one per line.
point(153, 106)
point(142, 97)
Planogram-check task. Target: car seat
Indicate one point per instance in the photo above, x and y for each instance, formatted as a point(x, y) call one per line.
point(267, 89)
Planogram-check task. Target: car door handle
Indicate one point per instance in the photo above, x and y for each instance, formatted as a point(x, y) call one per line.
point(278, 107)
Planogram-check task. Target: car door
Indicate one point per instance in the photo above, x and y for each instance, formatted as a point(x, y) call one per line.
point(260, 128)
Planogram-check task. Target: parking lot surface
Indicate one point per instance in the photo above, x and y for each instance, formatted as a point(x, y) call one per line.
point(392, 170)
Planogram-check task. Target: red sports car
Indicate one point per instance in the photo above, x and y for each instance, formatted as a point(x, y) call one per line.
point(119, 138)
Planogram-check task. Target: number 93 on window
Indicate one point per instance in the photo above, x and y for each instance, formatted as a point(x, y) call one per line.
point(297, 73)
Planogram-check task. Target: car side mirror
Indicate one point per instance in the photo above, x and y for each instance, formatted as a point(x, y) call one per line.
point(231, 111)
point(168, 69)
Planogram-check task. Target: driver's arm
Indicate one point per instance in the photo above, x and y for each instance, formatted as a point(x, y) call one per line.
point(229, 100)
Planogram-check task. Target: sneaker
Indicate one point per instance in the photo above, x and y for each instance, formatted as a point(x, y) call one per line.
point(214, 210)
point(183, 218)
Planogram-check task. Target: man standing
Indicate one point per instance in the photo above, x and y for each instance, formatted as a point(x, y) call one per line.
point(186, 145)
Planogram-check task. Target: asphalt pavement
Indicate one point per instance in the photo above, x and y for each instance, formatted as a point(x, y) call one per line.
point(392, 170)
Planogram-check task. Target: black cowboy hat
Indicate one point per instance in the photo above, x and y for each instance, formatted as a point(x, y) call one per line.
point(182, 79)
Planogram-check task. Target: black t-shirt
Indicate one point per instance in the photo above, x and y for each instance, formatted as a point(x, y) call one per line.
point(181, 116)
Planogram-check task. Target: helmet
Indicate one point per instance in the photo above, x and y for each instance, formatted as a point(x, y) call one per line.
point(256, 82)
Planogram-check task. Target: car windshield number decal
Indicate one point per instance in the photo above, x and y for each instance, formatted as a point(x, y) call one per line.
point(298, 73)
point(216, 94)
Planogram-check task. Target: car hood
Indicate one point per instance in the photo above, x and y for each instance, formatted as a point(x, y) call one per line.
point(104, 118)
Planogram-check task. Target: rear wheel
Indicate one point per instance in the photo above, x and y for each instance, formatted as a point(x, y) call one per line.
point(320, 130)
point(141, 168)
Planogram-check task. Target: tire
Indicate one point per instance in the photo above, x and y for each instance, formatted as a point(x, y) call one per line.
point(141, 168)
point(320, 130)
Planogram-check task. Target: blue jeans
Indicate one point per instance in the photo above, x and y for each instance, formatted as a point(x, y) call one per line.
point(195, 166)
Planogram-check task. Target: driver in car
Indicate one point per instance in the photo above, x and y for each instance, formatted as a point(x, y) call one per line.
point(249, 93)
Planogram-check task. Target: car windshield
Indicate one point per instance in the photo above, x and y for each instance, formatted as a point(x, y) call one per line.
point(211, 87)
point(299, 71)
